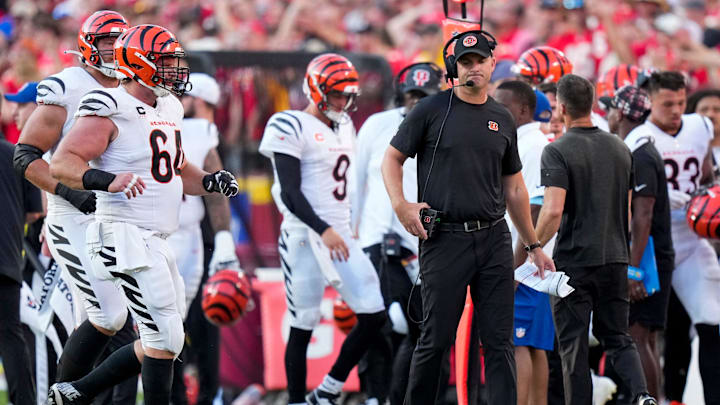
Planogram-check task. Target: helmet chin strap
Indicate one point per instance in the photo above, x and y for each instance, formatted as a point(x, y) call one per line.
point(107, 68)
point(157, 90)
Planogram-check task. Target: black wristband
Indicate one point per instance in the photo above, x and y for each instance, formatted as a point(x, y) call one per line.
point(62, 190)
point(95, 179)
point(532, 246)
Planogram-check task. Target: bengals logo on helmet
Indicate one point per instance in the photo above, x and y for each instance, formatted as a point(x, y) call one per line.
point(101, 24)
point(331, 73)
point(142, 53)
point(542, 64)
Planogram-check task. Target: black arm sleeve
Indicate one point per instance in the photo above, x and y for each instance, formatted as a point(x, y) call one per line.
point(288, 171)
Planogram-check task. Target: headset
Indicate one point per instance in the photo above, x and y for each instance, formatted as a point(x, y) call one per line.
point(399, 86)
point(451, 63)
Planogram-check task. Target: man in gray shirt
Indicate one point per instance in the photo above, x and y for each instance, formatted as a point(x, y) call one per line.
point(588, 178)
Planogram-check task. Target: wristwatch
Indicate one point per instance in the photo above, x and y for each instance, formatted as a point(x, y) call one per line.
point(532, 246)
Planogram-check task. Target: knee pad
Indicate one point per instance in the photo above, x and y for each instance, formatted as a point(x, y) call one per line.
point(305, 318)
point(116, 319)
point(169, 336)
point(397, 318)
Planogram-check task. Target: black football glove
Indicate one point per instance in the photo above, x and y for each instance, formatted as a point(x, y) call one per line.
point(80, 199)
point(221, 182)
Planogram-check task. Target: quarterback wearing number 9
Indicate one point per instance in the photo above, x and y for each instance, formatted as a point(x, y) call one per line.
point(131, 135)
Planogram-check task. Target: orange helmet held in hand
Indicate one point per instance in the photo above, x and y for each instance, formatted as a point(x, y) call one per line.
point(331, 73)
point(138, 56)
point(542, 64)
point(104, 23)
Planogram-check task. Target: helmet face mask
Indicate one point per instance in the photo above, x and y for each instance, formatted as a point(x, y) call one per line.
point(172, 76)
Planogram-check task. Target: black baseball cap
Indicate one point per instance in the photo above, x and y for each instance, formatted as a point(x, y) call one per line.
point(421, 78)
point(472, 42)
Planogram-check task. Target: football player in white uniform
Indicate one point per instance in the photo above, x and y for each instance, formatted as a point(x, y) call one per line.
point(311, 151)
point(131, 135)
point(683, 142)
point(102, 312)
point(200, 139)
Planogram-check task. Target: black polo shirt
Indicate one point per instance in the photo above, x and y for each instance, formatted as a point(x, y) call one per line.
point(17, 197)
point(650, 181)
point(595, 168)
point(477, 148)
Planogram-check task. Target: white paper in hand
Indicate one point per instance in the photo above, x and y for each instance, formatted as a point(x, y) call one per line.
point(322, 255)
point(554, 283)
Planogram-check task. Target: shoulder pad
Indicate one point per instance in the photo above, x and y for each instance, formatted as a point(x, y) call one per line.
point(98, 102)
point(51, 90)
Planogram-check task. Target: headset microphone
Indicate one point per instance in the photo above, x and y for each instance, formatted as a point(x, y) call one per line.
point(468, 83)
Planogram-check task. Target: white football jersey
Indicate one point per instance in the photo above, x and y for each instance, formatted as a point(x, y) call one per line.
point(149, 145)
point(199, 137)
point(325, 156)
point(371, 206)
point(64, 89)
point(685, 152)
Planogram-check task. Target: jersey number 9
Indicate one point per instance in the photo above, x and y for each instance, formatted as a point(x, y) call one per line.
point(340, 175)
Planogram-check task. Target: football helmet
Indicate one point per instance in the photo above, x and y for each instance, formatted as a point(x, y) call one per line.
point(331, 73)
point(542, 64)
point(138, 54)
point(103, 23)
point(226, 296)
point(345, 318)
point(702, 214)
point(615, 78)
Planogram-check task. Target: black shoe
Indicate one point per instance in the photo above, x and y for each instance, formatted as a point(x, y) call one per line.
point(645, 399)
point(65, 394)
point(320, 397)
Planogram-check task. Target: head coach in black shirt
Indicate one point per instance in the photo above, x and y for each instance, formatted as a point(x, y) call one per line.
point(468, 169)
point(588, 177)
point(20, 202)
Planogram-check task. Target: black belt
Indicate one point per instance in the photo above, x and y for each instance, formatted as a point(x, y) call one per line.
point(468, 226)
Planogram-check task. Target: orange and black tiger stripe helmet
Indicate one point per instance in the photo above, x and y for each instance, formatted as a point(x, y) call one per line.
point(137, 55)
point(103, 23)
point(615, 78)
point(542, 64)
point(330, 73)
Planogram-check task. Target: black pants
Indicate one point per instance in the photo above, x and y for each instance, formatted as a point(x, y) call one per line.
point(382, 377)
point(13, 350)
point(449, 263)
point(602, 290)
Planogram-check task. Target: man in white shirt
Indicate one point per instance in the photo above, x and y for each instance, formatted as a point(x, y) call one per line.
point(391, 248)
point(533, 327)
point(200, 141)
